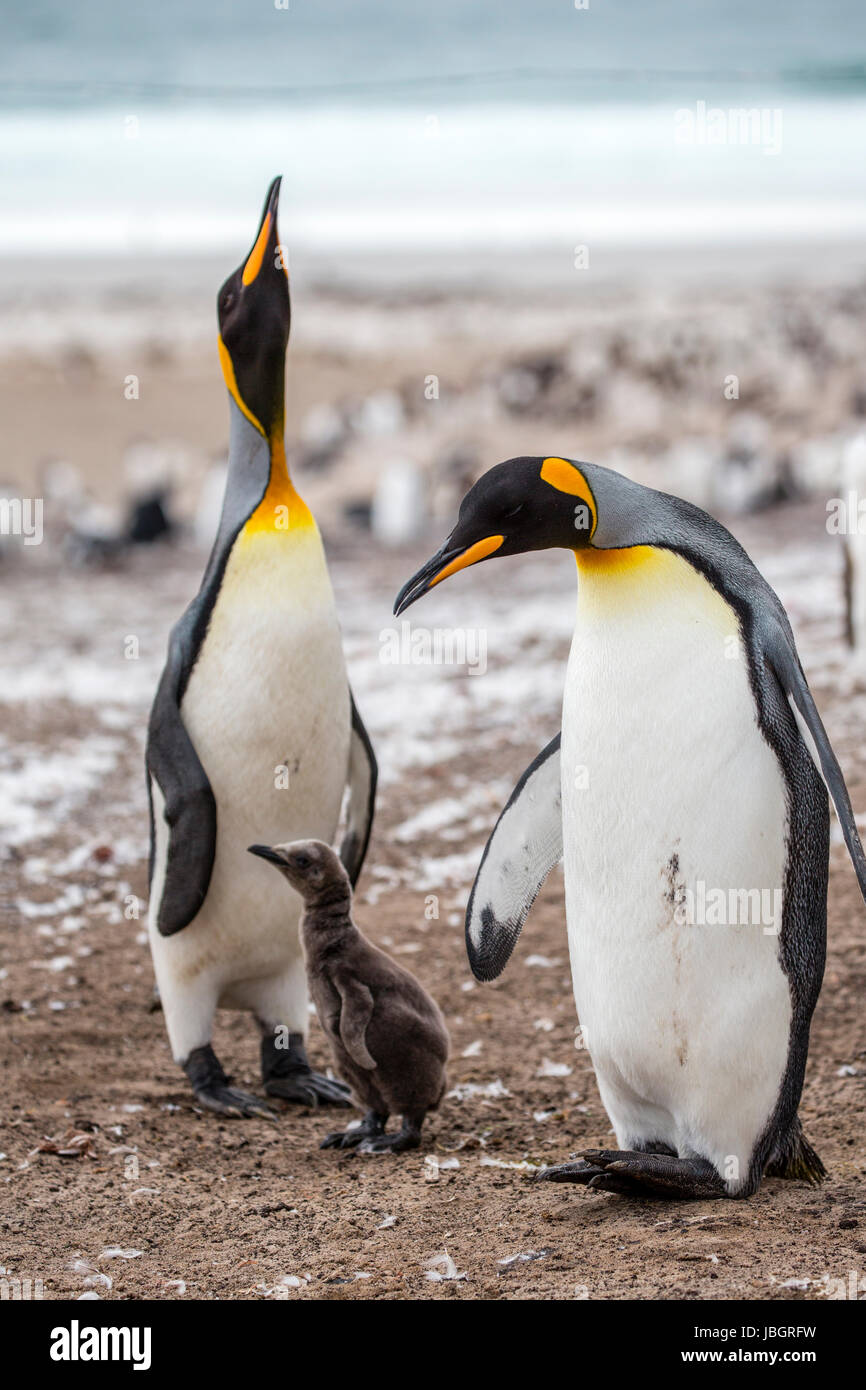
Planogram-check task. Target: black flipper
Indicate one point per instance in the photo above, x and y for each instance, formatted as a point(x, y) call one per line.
point(783, 659)
point(363, 774)
point(525, 844)
point(190, 806)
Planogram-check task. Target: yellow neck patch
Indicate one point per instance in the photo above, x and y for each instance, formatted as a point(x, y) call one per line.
point(562, 475)
point(614, 584)
point(282, 510)
point(256, 256)
point(616, 562)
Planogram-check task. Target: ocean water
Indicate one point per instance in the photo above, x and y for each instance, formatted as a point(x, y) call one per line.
point(463, 125)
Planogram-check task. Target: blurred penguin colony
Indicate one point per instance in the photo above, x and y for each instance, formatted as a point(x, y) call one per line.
point(737, 396)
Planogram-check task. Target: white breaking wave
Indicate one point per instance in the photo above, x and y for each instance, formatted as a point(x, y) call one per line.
point(190, 179)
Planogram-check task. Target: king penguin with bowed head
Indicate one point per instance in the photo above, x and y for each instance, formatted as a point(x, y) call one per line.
point(254, 734)
point(691, 761)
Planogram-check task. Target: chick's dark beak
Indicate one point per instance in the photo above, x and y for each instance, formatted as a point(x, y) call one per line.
point(265, 852)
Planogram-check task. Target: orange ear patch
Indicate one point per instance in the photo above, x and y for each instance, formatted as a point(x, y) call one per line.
point(565, 477)
point(256, 256)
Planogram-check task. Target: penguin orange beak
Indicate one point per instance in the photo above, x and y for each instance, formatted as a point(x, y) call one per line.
point(445, 562)
point(266, 236)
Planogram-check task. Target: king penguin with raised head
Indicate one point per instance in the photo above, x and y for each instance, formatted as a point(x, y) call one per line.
point(688, 773)
point(254, 733)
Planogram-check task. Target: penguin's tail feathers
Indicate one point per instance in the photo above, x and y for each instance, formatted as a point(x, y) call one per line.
point(798, 1160)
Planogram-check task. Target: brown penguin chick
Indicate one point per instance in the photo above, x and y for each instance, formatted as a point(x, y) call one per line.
point(388, 1037)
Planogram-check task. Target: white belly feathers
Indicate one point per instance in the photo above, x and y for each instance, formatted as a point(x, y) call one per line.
point(674, 814)
point(267, 708)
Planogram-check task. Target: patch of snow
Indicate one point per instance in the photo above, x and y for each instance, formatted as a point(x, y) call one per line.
point(471, 1090)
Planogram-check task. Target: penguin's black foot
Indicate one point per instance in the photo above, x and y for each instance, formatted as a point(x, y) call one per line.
point(212, 1089)
point(391, 1143)
point(226, 1100)
point(370, 1127)
point(634, 1174)
point(407, 1137)
point(569, 1172)
point(309, 1088)
point(287, 1074)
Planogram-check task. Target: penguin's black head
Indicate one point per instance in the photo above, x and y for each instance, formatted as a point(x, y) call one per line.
point(523, 504)
point(311, 866)
point(254, 314)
